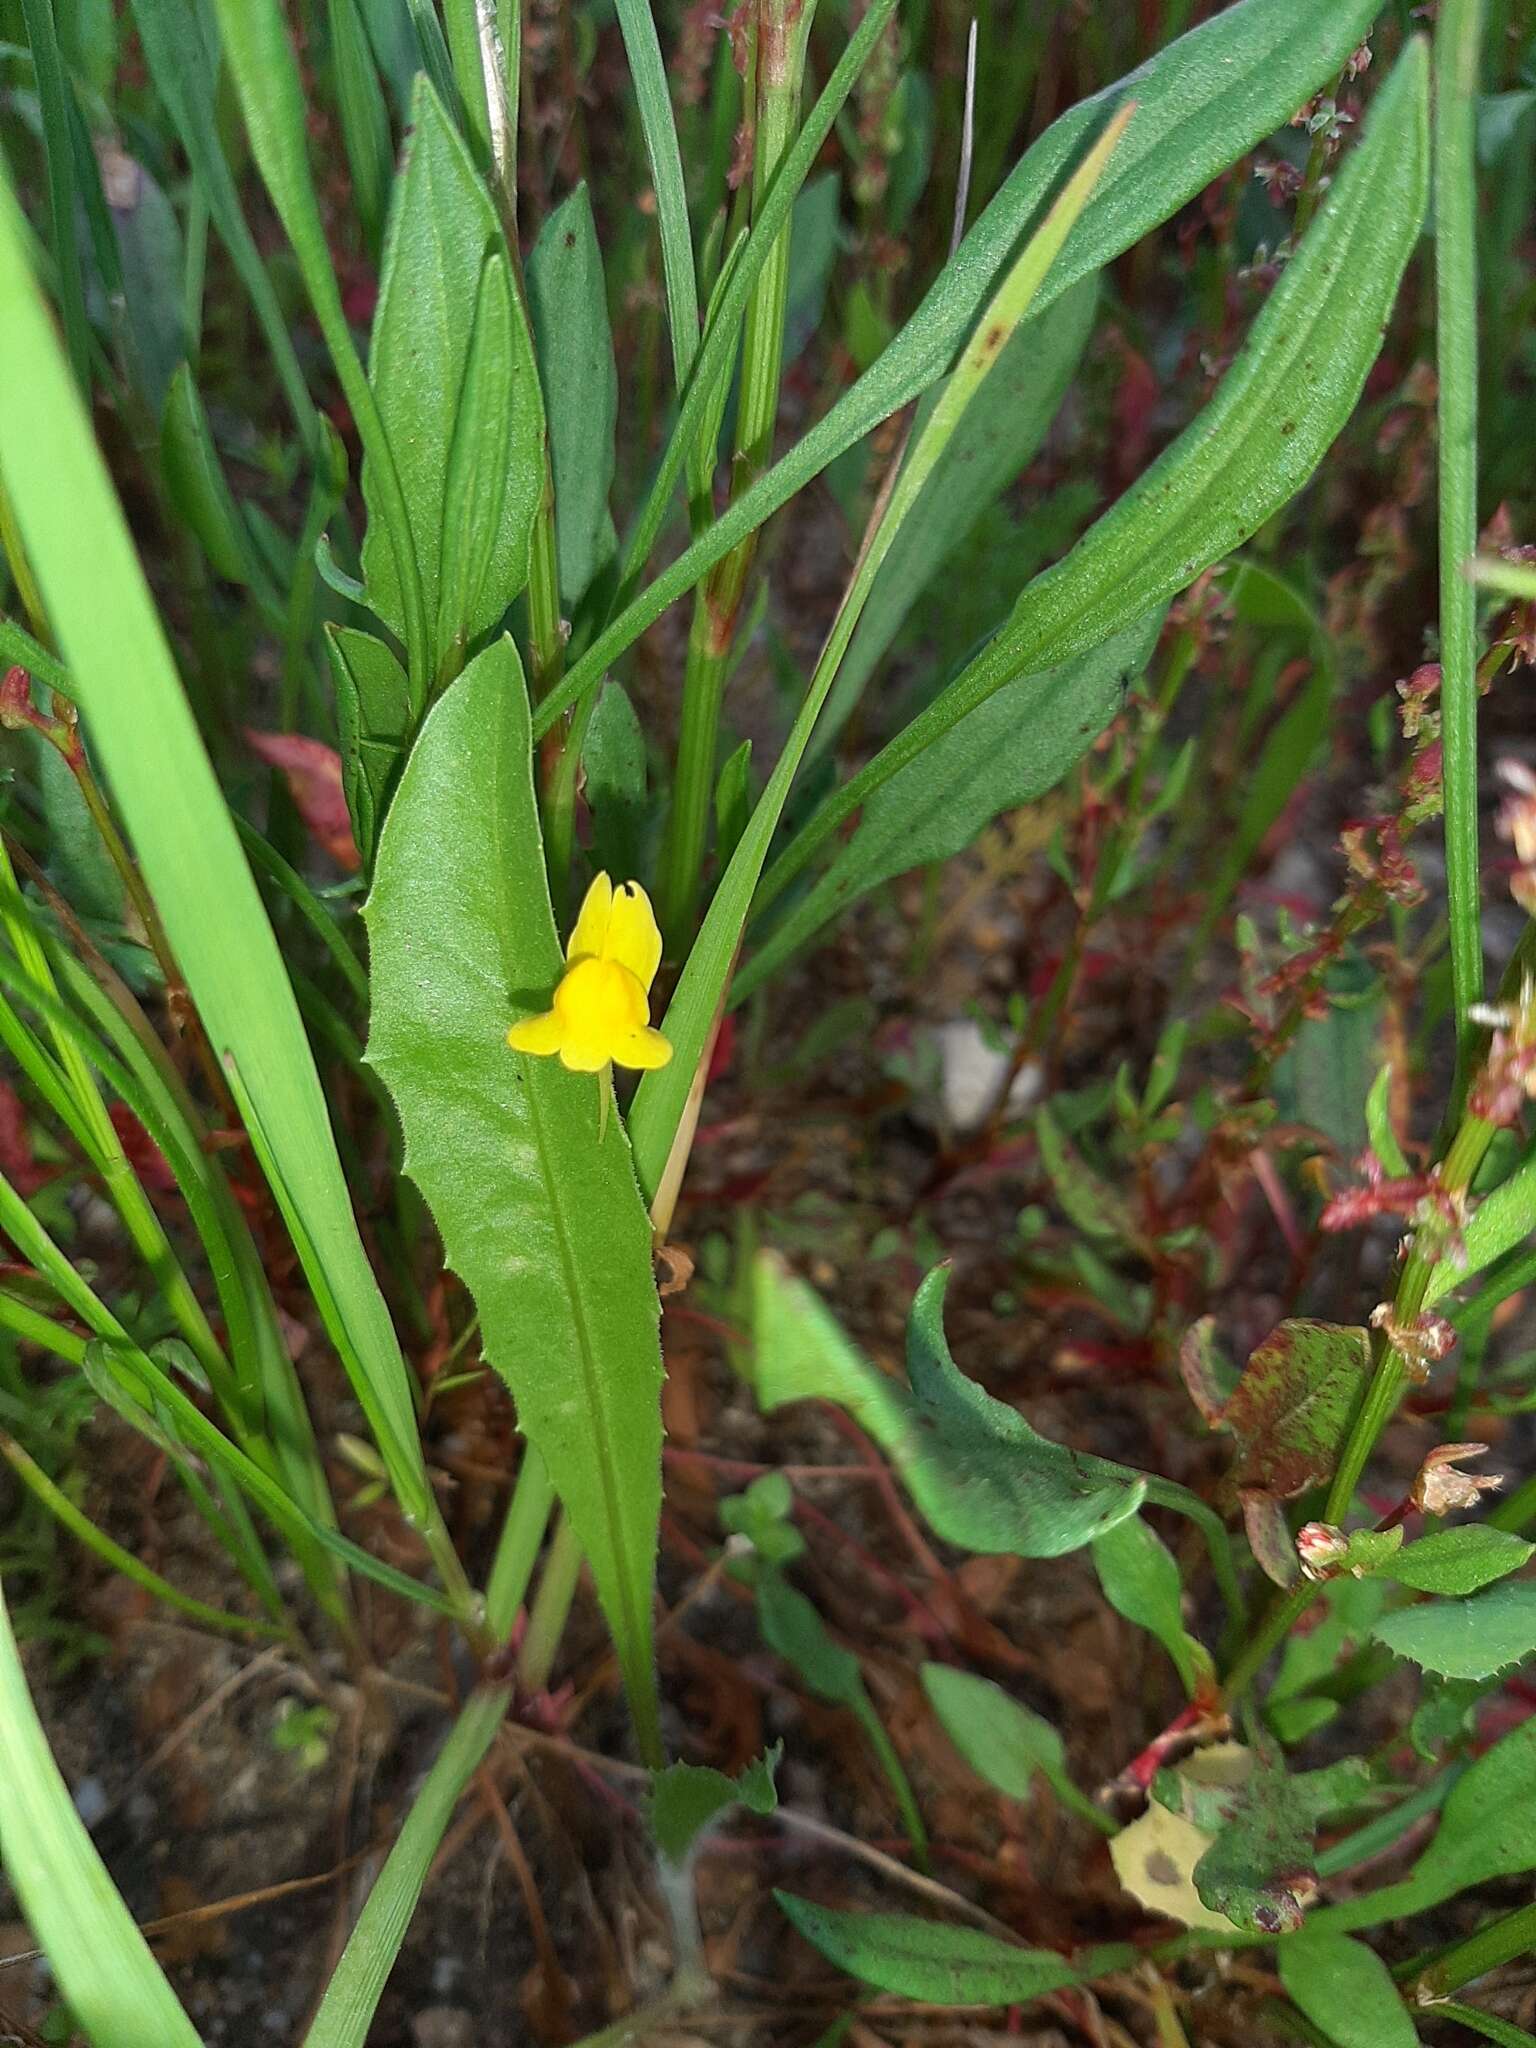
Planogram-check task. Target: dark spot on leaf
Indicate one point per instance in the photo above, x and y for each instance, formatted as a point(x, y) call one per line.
point(1161, 1868)
point(1287, 426)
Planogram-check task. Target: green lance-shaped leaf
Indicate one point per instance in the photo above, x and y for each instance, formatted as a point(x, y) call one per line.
point(613, 767)
point(364, 118)
point(1011, 750)
point(1460, 1560)
point(568, 307)
point(1201, 103)
point(540, 1215)
point(477, 464)
point(195, 479)
point(981, 1476)
point(1274, 416)
point(925, 1959)
point(442, 227)
point(1003, 1741)
point(1140, 1577)
point(999, 434)
point(373, 717)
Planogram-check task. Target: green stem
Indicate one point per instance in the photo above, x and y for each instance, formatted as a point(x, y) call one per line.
point(1458, 43)
point(517, 1547)
point(782, 32)
point(896, 1775)
point(59, 1504)
point(546, 631)
point(1501, 1941)
point(1167, 1493)
point(551, 1608)
point(1391, 1375)
point(1383, 1392)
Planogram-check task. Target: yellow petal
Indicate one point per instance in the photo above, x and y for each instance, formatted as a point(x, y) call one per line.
point(633, 939)
point(586, 1055)
point(645, 1048)
point(537, 1034)
point(590, 937)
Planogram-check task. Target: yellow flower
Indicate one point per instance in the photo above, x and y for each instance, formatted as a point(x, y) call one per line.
point(601, 1010)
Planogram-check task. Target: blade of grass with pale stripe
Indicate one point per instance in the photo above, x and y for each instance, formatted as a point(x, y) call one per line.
point(658, 1109)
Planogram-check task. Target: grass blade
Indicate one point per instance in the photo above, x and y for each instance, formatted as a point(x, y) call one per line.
point(182, 72)
point(53, 96)
point(272, 100)
point(352, 1996)
point(126, 684)
point(1458, 46)
point(654, 104)
point(114, 1986)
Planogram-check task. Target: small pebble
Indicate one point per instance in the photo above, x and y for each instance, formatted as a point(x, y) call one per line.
point(443, 2026)
point(91, 1800)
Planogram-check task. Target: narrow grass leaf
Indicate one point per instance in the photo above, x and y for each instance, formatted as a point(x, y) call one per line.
point(661, 1101)
point(182, 72)
point(1504, 2033)
point(538, 1209)
point(992, 445)
point(54, 105)
point(346, 2012)
point(365, 132)
point(653, 102)
point(1487, 1830)
point(114, 1986)
point(266, 77)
